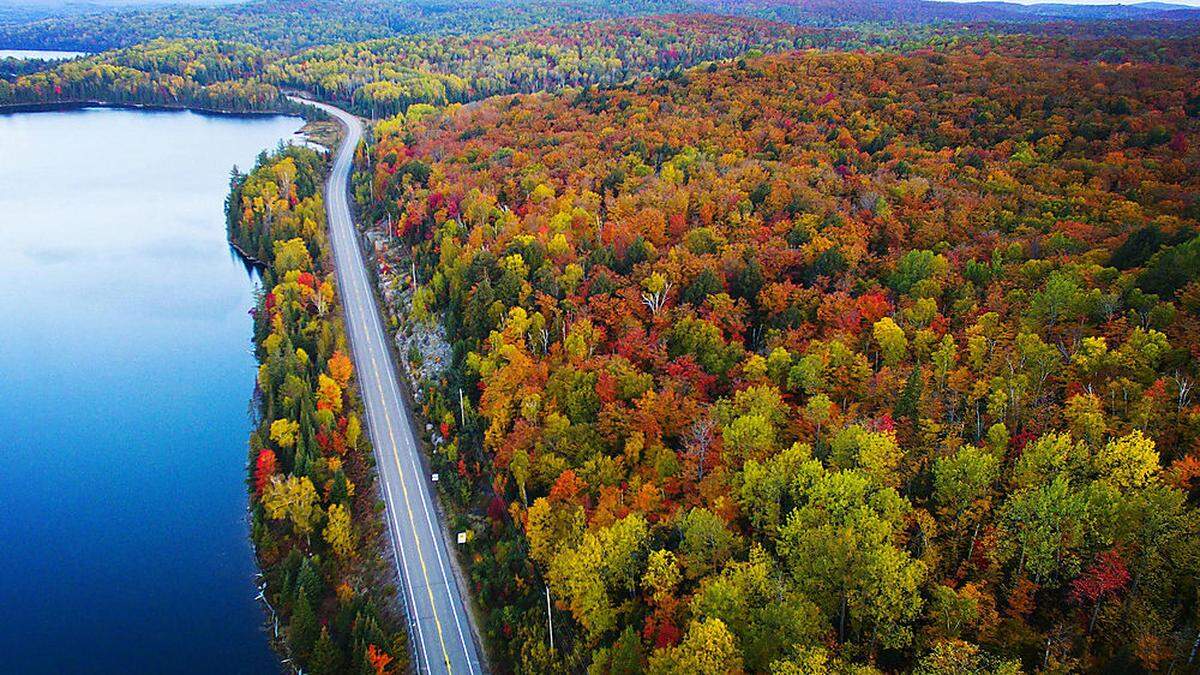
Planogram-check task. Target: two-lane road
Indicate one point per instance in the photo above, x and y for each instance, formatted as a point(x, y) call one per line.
point(436, 605)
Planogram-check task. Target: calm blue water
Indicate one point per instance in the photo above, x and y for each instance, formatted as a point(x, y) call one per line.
point(125, 374)
point(48, 54)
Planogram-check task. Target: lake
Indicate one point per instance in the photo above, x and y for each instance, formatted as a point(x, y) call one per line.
point(46, 54)
point(125, 374)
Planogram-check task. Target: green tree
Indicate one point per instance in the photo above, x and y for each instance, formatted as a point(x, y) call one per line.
point(706, 542)
point(818, 410)
point(606, 564)
point(1042, 526)
point(1058, 301)
point(916, 267)
point(303, 630)
point(1049, 456)
point(842, 551)
point(767, 485)
point(768, 617)
point(962, 482)
point(326, 659)
point(956, 657)
point(875, 453)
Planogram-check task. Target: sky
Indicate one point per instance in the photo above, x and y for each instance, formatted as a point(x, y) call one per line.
point(52, 3)
point(1193, 3)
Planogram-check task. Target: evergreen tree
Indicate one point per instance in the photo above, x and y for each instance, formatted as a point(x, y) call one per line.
point(910, 397)
point(326, 659)
point(302, 631)
point(309, 578)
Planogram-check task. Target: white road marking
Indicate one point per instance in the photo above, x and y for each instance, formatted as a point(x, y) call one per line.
point(362, 318)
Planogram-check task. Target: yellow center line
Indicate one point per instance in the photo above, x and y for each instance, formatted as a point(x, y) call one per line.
point(336, 198)
point(411, 519)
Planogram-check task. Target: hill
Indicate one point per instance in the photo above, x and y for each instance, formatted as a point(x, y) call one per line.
point(296, 25)
point(818, 361)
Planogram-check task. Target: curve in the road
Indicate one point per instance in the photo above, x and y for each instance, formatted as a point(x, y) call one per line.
point(438, 614)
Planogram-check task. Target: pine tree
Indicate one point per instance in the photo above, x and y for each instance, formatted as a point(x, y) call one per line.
point(309, 577)
point(365, 633)
point(326, 659)
point(291, 569)
point(627, 653)
point(910, 398)
point(340, 493)
point(302, 632)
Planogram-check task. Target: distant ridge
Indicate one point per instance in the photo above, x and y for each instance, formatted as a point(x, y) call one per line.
point(1162, 5)
point(825, 12)
point(297, 24)
point(1051, 10)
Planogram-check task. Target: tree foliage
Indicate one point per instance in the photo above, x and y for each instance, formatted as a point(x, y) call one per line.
point(816, 355)
point(309, 449)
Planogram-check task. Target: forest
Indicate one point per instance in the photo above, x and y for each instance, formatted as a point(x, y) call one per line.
point(818, 362)
point(791, 336)
point(383, 77)
point(310, 463)
point(295, 25)
point(203, 74)
point(380, 78)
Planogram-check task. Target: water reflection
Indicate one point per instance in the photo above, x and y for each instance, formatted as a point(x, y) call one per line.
point(125, 370)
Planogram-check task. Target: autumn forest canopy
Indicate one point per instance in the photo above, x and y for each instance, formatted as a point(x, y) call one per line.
point(817, 361)
point(767, 337)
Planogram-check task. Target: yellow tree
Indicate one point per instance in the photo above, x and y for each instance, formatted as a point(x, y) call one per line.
point(339, 533)
point(891, 339)
point(329, 393)
point(294, 499)
point(291, 255)
point(708, 649)
point(284, 432)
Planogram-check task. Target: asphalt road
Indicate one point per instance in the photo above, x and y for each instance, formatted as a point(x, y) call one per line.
point(436, 606)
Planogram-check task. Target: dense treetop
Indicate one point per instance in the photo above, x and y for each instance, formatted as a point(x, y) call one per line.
point(293, 25)
point(195, 73)
point(835, 12)
point(878, 357)
point(1080, 44)
point(821, 359)
point(382, 77)
point(310, 467)
point(386, 76)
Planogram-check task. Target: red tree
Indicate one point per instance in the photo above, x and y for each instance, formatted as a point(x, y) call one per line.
point(1107, 576)
point(264, 468)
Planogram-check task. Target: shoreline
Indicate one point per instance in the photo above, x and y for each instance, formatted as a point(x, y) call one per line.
point(269, 550)
point(58, 106)
point(246, 257)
